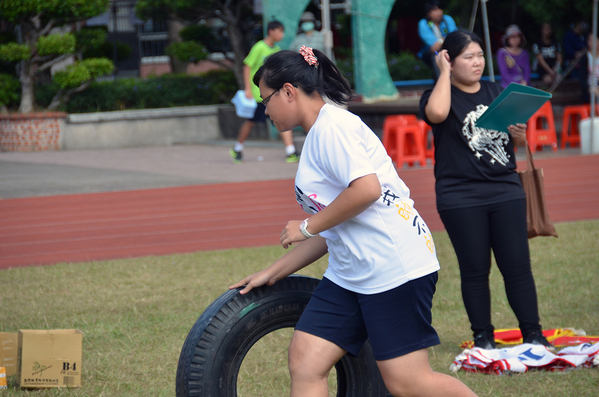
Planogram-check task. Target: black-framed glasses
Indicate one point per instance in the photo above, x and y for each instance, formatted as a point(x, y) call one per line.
point(267, 99)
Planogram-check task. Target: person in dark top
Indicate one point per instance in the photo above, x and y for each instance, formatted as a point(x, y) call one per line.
point(479, 194)
point(574, 45)
point(548, 54)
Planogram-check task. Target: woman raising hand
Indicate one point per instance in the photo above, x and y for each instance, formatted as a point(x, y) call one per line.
point(480, 198)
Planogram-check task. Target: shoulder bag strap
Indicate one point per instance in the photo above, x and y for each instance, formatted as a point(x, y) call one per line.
point(515, 63)
point(529, 160)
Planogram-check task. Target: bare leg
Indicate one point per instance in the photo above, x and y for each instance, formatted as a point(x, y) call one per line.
point(244, 130)
point(287, 137)
point(411, 375)
point(310, 361)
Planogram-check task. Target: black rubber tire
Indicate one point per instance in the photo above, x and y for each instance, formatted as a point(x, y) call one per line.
point(219, 340)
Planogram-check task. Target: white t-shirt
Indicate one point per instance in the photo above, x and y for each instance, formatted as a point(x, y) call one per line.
point(593, 74)
point(386, 245)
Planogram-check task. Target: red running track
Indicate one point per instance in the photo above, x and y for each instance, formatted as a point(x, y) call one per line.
point(99, 226)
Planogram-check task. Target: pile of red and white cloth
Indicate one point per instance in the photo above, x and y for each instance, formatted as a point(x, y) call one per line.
point(557, 337)
point(525, 357)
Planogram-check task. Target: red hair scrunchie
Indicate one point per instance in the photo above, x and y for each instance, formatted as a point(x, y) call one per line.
point(308, 55)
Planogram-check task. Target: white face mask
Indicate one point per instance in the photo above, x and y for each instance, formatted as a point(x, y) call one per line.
point(307, 26)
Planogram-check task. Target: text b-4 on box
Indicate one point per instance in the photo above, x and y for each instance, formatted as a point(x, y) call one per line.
point(49, 358)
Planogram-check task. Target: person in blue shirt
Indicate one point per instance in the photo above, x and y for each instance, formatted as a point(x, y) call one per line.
point(574, 46)
point(432, 31)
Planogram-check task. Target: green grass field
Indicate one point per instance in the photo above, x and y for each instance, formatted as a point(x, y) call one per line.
point(135, 315)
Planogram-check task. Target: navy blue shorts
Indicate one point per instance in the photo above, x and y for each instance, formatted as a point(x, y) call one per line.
point(259, 113)
point(396, 322)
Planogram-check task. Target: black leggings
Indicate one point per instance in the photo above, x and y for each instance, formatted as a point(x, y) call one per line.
point(501, 227)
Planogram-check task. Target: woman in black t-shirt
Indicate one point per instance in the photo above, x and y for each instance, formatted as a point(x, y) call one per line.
point(479, 195)
point(548, 53)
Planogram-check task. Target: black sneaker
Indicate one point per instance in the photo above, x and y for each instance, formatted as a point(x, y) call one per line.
point(537, 338)
point(236, 156)
point(485, 340)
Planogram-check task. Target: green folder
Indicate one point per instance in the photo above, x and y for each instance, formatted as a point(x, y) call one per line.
point(516, 104)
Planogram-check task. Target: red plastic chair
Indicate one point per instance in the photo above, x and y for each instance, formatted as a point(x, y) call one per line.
point(389, 136)
point(429, 143)
point(541, 129)
point(403, 140)
point(570, 119)
point(401, 117)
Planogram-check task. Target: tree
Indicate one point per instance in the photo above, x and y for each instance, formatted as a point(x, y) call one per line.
point(235, 13)
point(76, 78)
point(188, 51)
point(40, 48)
point(559, 13)
point(9, 87)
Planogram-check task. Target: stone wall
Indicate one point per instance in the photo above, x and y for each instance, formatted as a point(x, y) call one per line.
point(31, 132)
point(129, 128)
point(230, 124)
point(148, 127)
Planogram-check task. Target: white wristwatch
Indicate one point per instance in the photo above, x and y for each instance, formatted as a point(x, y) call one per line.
point(303, 228)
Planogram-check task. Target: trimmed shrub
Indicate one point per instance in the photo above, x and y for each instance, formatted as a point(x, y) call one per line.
point(345, 63)
point(9, 89)
point(187, 51)
point(14, 52)
point(56, 44)
point(406, 66)
point(402, 66)
point(215, 87)
point(82, 71)
point(44, 94)
point(158, 92)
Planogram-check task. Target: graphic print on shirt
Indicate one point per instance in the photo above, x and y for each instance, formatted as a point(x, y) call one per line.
point(308, 203)
point(484, 140)
point(405, 210)
point(548, 52)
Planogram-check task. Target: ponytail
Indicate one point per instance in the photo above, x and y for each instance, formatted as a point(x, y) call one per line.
point(291, 67)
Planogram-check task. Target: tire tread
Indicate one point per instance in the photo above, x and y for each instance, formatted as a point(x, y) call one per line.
point(205, 370)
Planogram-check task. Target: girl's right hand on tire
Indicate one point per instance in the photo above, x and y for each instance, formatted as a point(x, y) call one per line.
point(253, 281)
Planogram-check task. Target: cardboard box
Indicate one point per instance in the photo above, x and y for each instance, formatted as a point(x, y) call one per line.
point(49, 358)
point(9, 348)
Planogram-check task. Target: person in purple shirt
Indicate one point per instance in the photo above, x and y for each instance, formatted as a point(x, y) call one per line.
point(512, 59)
